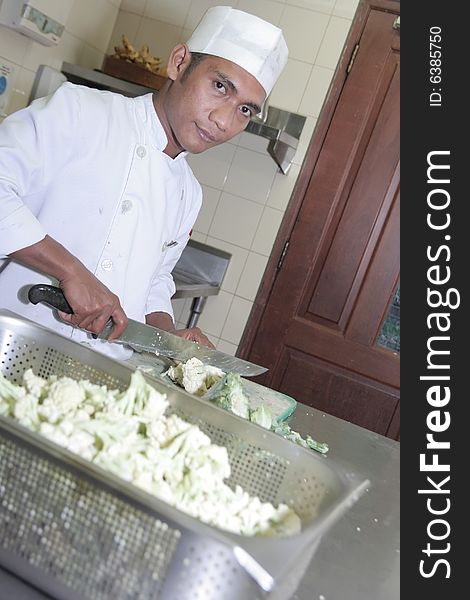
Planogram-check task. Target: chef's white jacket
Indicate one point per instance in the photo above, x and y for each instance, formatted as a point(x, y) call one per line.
point(87, 167)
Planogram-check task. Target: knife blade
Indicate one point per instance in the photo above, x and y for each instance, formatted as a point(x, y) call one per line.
point(145, 338)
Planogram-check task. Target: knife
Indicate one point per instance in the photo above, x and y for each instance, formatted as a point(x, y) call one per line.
point(145, 338)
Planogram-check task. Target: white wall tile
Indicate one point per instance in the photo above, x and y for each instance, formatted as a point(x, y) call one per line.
point(215, 340)
point(185, 35)
point(197, 9)
point(178, 305)
point(199, 237)
point(105, 15)
point(214, 314)
point(211, 167)
point(95, 31)
point(316, 91)
point(324, 6)
point(90, 57)
point(235, 266)
point(281, 190)
point(251, 175)
point(304, 31)
point(161, 38)
point(333, 42)
point(267, 231)
point(68, 47)
point(169, 11)
point(305, 139)
point(209, 205)
point(345, 8)
point(14, 46)
point(235, 220)
point(38, 54)
point(252, 142)
point(134, 6)
point(184, 314)
point(236, 320)
point(128, 24)
point(251, 276)
point(22, 91)
point(268, 10)
point(290, 87)
point(227, 347)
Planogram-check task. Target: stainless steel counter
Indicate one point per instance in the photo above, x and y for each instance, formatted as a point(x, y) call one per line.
point(358, 559)
point(185, 289)
point(198, 274)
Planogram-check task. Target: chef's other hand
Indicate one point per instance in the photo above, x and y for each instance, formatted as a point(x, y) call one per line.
point(92, 303)
point(195, 335)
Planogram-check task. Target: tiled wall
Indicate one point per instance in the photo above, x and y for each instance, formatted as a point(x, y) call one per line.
point(244, 194)
point(84, 42)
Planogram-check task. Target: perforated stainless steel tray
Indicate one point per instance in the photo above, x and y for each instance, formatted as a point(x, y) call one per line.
point(78, 532)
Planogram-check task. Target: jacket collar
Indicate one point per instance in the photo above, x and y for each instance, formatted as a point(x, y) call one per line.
point(154, 128)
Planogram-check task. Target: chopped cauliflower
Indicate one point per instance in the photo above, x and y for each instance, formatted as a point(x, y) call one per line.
point(128, 434)
point(227, 392)
point(194, 376)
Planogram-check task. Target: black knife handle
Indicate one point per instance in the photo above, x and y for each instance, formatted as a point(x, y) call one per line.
point(50, 295)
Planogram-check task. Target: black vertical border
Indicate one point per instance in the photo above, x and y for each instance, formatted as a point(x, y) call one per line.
point(424, 129)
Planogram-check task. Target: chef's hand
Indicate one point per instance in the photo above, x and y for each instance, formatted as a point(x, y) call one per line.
point(195, 335)
point(164, 321)
point(92, 302)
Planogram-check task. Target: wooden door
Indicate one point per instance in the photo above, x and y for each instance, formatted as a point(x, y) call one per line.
point(316, 320)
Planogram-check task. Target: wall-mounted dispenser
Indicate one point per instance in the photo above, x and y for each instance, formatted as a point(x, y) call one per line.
point(42, 20)
point(6, 76)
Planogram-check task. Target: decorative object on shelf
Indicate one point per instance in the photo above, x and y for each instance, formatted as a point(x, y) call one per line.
point(143, 57)
point(137, 66)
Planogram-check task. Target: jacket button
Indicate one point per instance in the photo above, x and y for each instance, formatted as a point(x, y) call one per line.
point(126, 206)
point(141, 152)
point(107, 264)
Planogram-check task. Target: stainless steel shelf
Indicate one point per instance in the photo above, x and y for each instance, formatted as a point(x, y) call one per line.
point(198, 274)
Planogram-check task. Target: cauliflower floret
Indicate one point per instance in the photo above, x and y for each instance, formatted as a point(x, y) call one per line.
point(208, 465)
point(63, 397)
point(128, 434)
point(54, 433)
point(195, 376)
point(9, 395)
point(140, 399)
point(34, 384)
point(26, 411)
point(83, 444)
point(155, 405)
point(163, 431)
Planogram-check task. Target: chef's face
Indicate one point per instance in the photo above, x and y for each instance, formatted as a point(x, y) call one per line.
point(209, 105)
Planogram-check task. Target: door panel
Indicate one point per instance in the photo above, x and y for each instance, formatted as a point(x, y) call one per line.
point(364, 207)
point(318, 328)
point(338, 392)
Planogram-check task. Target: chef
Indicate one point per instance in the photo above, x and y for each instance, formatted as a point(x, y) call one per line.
point(96, 194)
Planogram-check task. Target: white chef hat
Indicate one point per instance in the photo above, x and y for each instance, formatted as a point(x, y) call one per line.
point(255, 45)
